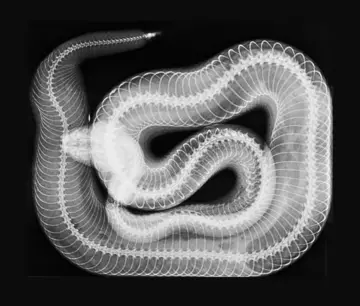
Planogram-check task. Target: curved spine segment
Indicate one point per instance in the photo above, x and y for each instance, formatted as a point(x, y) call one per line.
point(284, 190)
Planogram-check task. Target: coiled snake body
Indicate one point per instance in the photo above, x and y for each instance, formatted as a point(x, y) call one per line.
point(273, 218)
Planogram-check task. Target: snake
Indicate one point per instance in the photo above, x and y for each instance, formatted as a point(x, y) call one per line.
point(282, 196)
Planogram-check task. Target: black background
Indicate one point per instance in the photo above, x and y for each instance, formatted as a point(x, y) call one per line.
point(183, 43)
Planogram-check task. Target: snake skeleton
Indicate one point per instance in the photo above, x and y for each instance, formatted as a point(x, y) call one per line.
point(281, 202)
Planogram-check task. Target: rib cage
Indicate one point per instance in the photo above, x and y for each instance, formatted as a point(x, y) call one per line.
point(290, 215)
